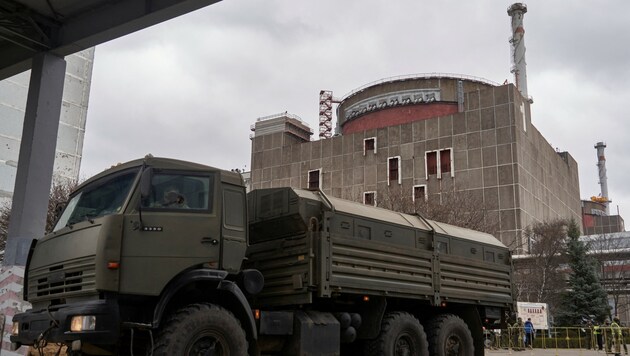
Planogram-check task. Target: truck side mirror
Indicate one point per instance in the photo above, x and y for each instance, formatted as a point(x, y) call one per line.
point(145, 183)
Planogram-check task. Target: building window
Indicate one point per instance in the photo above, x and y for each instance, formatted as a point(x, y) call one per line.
point(393, 168)
point(438, 162)
point(369, 144)
point(431, 162)
point(314, 179)
point(369, 198)
point(419, 193)
point(445, 161)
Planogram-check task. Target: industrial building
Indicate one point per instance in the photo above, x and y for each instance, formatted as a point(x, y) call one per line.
point(596, 217)
point(595, 220)
point(13, 93)
point(423, 136)
point(427, 134)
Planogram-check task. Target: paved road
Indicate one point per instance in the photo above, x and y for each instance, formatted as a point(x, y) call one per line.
point(547, 352)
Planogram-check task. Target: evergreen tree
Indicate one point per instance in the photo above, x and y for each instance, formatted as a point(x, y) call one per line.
point(585, 295)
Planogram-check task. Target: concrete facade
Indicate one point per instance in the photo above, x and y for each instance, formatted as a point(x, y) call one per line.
point(496, 154)
point(13, 92)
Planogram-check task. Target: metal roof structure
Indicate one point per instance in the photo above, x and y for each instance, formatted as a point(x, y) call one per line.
point(63, 27)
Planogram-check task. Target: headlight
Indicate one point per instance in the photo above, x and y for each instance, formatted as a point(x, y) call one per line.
point(15, 329)
point(83, 323)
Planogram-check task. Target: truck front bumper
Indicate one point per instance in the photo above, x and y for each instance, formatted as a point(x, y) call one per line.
point(53, 325)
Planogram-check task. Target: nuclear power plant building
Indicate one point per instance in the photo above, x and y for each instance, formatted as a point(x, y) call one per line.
point(424, 136)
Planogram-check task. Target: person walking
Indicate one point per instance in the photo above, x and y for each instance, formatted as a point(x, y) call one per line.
point(607, 335)
point(617, 336)
point(590, 336)
point(529, 333)
point(518, 333)
point(597, 332)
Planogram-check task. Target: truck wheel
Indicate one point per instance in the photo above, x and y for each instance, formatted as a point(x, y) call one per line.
point(449, 336)
point(201, 329)
point(401, 335)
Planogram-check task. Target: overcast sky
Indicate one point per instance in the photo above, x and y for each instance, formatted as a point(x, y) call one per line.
point(191, 87)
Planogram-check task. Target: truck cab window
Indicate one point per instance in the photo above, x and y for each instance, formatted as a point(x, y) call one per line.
point(102, 197)
point(234, 209)
point(176, 191)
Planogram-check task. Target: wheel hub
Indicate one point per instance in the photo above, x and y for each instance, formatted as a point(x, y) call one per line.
point(206, 345)
point(453, 346)
point(404, 346)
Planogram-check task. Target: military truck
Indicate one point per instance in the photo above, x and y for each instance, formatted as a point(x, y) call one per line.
point(166, 257)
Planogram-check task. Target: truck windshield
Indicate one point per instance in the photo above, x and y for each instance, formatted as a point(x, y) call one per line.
point(103, 197)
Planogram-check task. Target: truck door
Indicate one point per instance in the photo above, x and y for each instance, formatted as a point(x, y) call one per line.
point(233, 227)
point(179, 230)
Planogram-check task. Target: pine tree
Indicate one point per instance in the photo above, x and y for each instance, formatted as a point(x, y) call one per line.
point(585, 295)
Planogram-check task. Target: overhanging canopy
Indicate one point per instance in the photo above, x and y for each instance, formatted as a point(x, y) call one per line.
point(63, 27)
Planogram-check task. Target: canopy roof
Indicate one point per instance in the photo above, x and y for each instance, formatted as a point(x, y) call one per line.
point(64, 27)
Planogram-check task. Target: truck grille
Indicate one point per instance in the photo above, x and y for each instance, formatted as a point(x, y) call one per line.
point(63, 280)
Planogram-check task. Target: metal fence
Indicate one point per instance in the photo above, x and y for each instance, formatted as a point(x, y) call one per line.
point(606, 339)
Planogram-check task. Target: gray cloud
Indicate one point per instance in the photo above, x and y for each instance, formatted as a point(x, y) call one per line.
point(190, 88)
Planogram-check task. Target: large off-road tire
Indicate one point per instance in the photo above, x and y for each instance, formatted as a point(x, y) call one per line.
point(401, 335)
point(449, 336)
point(201, 329)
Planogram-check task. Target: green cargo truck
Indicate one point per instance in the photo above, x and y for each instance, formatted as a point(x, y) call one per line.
point(166, 257)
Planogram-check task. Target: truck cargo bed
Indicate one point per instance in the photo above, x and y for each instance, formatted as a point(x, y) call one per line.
point(299, 269)
point(309, 246)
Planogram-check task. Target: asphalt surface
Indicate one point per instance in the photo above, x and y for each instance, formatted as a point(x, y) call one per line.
point(548, 352)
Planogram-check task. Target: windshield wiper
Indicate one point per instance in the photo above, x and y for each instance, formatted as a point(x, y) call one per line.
point(78, 219)
point(90, 217)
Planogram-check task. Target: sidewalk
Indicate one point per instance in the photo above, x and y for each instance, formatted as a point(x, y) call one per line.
point(547, 352)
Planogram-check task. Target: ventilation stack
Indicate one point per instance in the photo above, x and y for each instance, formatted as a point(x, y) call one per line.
point(601, 168)
point(516, 12)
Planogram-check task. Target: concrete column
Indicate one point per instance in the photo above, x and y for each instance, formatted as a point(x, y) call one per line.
point(37, 156)
point(32, 184)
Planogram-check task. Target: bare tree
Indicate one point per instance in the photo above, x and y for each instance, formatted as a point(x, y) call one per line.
point(459, 207)
point(611, 252)
point(539, 276)
point(395, 199)
point(59, 193)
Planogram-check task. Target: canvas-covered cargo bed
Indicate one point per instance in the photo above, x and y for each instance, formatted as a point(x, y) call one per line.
point(322, 247)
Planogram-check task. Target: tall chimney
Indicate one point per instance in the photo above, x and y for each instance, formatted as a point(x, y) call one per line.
point(601, 168)
point(516, 12)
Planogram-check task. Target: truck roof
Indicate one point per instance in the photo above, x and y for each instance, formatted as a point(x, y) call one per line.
point(394, 217)
point(167, 163)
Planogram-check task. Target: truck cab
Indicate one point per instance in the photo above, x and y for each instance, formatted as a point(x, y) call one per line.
point(133, 243)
